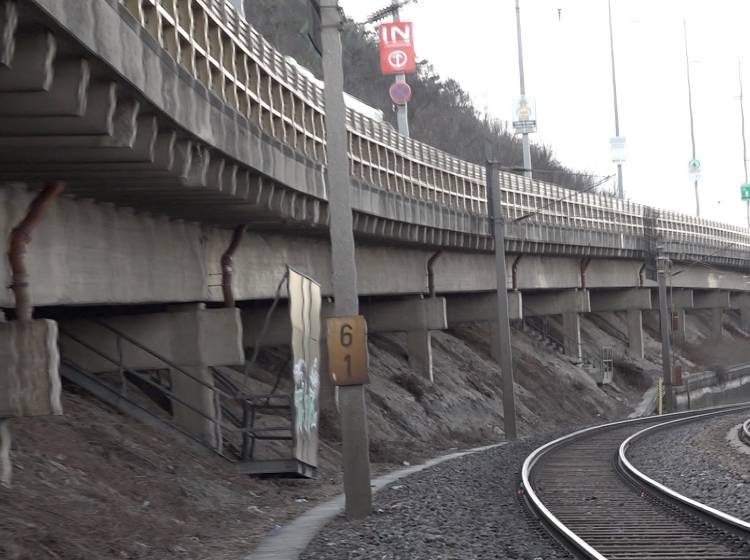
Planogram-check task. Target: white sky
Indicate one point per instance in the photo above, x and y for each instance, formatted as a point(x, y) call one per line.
point(567, 69)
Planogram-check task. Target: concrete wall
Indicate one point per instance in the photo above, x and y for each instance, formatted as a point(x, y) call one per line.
point(89, 253)
point(709, 389)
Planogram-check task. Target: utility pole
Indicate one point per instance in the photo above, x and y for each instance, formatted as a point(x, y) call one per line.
point(692, 127)
point(744, 140)
point(352, 407)
point(665, 320)
point(526, 147)
point(620, 190)
point(402, 111)
point(503, 318)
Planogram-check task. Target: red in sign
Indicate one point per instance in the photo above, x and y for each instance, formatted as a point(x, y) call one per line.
point(397, 48)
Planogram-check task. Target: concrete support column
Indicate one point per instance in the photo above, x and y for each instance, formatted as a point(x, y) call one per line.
point(717, 318)
point(494, 346)
point(745, 319)
point(572, 334)
point(635, 332)
point(416, 317)
point(681, 323)
point(197, 406)
point(419, 349)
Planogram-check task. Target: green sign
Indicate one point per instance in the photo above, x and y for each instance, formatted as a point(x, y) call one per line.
point(745, 192)
point(694, 164)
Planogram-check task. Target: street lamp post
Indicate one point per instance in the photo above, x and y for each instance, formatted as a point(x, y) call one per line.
point(692, 126)
point(744, 140)
point(620, 190)
point(402, 111)
point(525, 136)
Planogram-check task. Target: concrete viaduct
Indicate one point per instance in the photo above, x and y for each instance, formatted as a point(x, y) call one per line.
point(174, 122)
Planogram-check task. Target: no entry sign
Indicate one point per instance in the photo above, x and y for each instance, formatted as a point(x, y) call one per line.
point(400, 93)
point(396, 48)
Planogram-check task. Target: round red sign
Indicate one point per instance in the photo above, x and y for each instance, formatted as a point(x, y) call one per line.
point(400, 93)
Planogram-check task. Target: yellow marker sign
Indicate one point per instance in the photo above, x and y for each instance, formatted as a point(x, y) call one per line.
point(347, 350)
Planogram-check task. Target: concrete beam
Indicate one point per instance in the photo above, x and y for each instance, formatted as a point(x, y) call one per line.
point(739, 301)
point(681, 298)
point(556, 303)
point(711, 299)
point(480, 307)
point(620, 300)
point(406, 315)
point(572, 334)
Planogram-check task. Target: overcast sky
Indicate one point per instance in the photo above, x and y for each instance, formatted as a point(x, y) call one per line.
point(567, 70)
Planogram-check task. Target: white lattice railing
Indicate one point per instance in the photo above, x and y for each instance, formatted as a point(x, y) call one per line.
point(225, 53)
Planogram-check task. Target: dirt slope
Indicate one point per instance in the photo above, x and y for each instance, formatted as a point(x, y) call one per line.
point(94, 484)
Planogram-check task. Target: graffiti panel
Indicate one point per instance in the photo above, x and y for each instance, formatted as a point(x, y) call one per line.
point(304, 312)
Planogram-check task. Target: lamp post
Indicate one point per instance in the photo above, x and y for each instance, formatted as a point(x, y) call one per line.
point(620, 190)
point(402, 111)
point(525, 135)
point(692, 126)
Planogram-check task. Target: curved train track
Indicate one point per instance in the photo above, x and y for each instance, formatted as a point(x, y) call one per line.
point(744, 432)
point(599, 506)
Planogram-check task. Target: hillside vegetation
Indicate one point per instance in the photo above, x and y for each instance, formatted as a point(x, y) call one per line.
point(441, 113)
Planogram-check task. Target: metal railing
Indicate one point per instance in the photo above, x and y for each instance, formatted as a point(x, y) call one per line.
point(602, 358)
point(233, 417)
point(226, 54)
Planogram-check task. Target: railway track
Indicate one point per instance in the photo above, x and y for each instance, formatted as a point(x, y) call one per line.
point(744, 432)
point(599, 506)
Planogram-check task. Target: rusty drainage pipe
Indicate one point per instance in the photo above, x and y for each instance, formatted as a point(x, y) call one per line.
point(226, 265)
point(19, 239)
point(431, 272)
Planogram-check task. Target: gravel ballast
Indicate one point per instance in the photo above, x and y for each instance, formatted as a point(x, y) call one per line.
point(698, 460)
point(465, 509)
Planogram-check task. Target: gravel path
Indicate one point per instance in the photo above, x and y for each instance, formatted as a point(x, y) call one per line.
point(697, 460)
point(464, 509)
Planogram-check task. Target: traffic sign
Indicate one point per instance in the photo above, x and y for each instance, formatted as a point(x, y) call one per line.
point(524, 115)
point(400, 93)
point(745, 191)
point(617, 149)
point(694, 169)
point(397, 48)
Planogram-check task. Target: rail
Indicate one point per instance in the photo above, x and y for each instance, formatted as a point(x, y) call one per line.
point(645, 480)
point(225, 53)
point(567, 534)
point(744, 432)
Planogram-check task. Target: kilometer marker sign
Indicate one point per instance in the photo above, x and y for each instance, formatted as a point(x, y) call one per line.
point(397, 48)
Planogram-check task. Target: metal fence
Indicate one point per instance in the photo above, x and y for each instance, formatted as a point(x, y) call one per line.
point(225, 53)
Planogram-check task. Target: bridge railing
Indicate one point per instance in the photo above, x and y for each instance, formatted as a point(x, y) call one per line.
point(220, 49)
